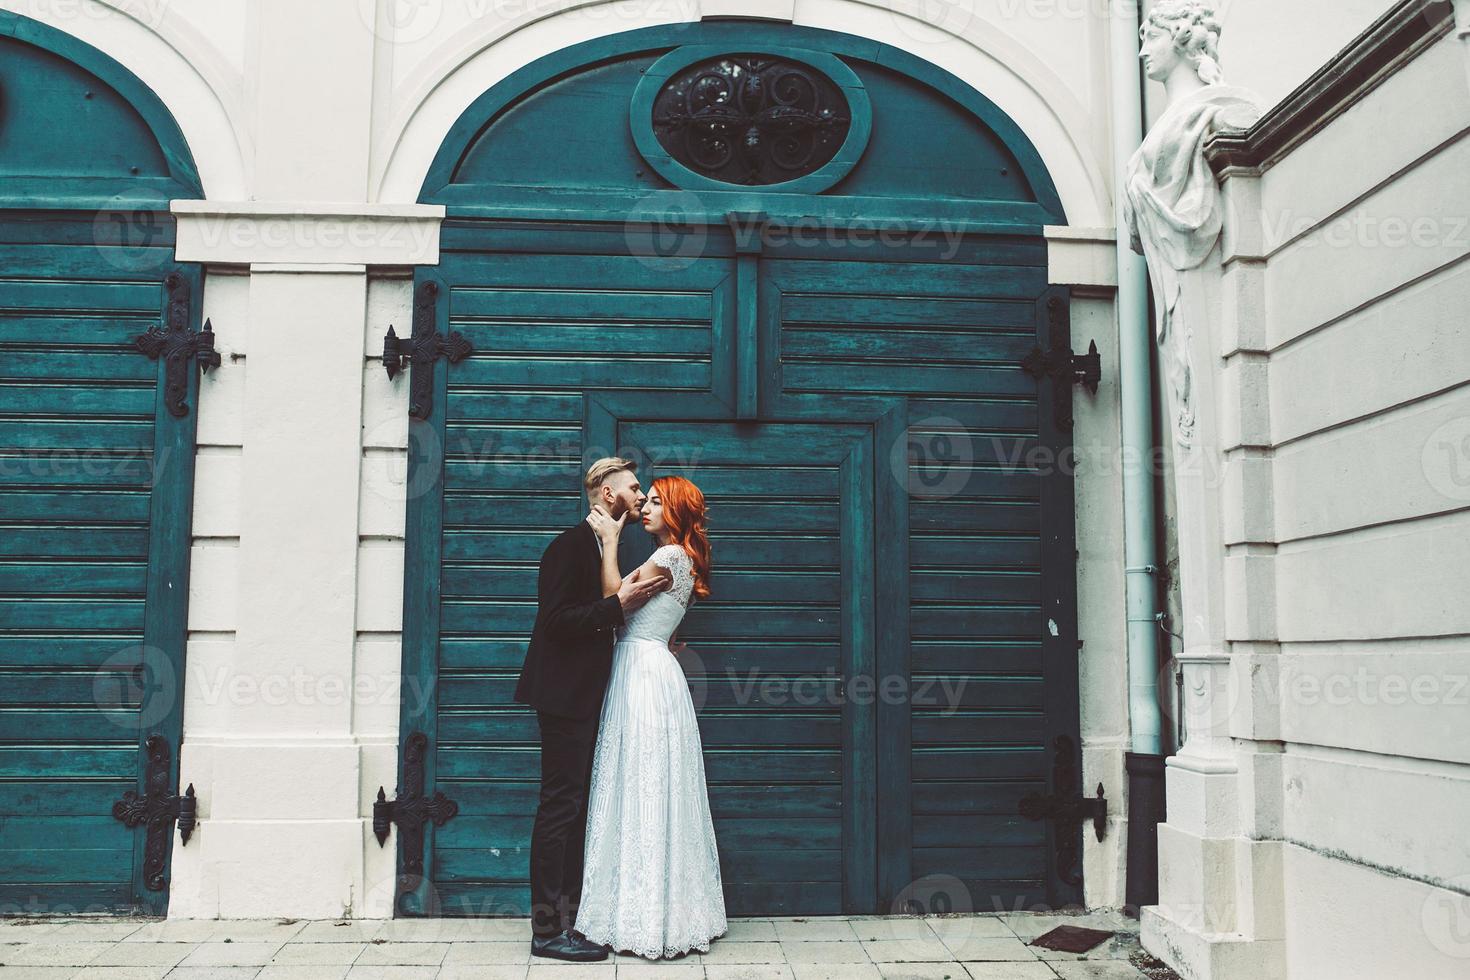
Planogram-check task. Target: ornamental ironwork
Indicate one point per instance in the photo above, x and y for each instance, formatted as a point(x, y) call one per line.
point(751, 118)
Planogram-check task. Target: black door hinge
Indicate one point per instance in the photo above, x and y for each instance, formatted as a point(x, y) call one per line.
point(410, 811)
point(422, 349)
point(178, 347)
point(1067, 809)
point(1060, 364)
point(159, 808)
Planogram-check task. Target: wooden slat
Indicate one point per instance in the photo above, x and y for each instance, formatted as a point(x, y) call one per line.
point(92, 724)
point(43, 468)
point(32, 541)
point(75, 505)
point(103, 364)
point(81, 295)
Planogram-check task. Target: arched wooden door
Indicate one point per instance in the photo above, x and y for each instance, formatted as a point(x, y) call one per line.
point(96, 473)
point(888, 664)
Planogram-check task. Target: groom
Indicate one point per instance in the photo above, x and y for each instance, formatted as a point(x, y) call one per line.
point(564, 678)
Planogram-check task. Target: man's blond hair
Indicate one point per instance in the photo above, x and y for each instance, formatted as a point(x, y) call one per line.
point(599, 471)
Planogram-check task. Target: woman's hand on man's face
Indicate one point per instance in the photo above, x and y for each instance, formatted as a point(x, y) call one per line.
point(604, 526)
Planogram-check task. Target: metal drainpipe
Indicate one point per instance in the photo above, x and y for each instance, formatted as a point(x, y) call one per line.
point(1145, 761)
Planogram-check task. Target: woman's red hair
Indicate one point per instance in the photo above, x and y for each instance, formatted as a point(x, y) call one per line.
point(684, 515)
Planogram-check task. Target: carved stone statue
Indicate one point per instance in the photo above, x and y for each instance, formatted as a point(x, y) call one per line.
point(1171, 202)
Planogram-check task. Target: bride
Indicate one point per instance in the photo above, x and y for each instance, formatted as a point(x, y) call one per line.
point(651, 877)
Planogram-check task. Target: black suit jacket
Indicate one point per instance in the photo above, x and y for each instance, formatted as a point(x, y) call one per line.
point(570, 654)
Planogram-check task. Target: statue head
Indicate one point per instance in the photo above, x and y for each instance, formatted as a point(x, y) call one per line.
point(1178, 32)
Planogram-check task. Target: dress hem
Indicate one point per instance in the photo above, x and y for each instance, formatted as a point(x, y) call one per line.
point(667, 952)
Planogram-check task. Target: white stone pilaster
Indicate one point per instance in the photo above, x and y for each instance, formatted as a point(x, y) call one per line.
point(1220, 912)
point(291, 708)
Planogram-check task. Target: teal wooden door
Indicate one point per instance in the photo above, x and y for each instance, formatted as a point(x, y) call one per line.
point(95, 489)
point(96, 477)
point(877, 683)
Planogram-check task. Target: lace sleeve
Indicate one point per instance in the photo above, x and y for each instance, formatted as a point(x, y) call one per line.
point(681, 566)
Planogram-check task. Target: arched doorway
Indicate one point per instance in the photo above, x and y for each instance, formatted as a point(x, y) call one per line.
point(819, 315)
point(99, 338)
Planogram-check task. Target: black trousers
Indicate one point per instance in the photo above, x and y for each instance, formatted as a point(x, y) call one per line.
point(560, 831)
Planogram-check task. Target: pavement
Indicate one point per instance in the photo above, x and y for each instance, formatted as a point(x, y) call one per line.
point(951, 947)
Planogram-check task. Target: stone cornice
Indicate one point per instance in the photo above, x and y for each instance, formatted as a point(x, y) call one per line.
point(1391, 42)
point(1084, 258)
point(307, 235)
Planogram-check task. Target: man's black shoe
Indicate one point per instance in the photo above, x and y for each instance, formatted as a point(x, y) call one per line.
point(565, 946)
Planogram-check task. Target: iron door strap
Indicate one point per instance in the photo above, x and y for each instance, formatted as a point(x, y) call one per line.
point(422, 349)
point(1059, 363)
point(411, 809)
point(159, 807)
point(1067, 809)
point(178, 346)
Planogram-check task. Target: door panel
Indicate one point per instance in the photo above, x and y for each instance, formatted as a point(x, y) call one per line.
point(95, 482)
point(974, 724)
point(773, 648)
point(883, 521)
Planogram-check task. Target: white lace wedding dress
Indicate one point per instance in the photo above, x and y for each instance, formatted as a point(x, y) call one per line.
point(651, 879)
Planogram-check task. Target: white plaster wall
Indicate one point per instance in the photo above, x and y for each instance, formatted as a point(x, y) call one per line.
point(1350, 713)
point(1101, 614)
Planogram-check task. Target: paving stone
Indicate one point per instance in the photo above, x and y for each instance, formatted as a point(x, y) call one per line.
point(747, 971)
point(375, 971)
point(83, 930)
point(402, 954)
point(232, 954)
point(495, 930)
point(835, 971)
point(907, 950)
point(923, 971)
point(763, 930)
point(174, 931)
point(824, 952)
point(555, 970)
point(992, 949)
point(723, 951)
point(339, 931)
point(663, 970)
point(304, 971)
point(305, 954)
point(813, 929)
point(960, 928)
point(482, 971)
point(144, 954)
point(257, 930)
point(499, 953)
point(887, 928)
point(425, 931)
point(1098, 970)
point(119, 973)
point(48, 952)
point(1035, 970)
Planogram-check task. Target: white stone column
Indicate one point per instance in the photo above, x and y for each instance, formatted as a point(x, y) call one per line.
point(287, 729)
point(1219, 910)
